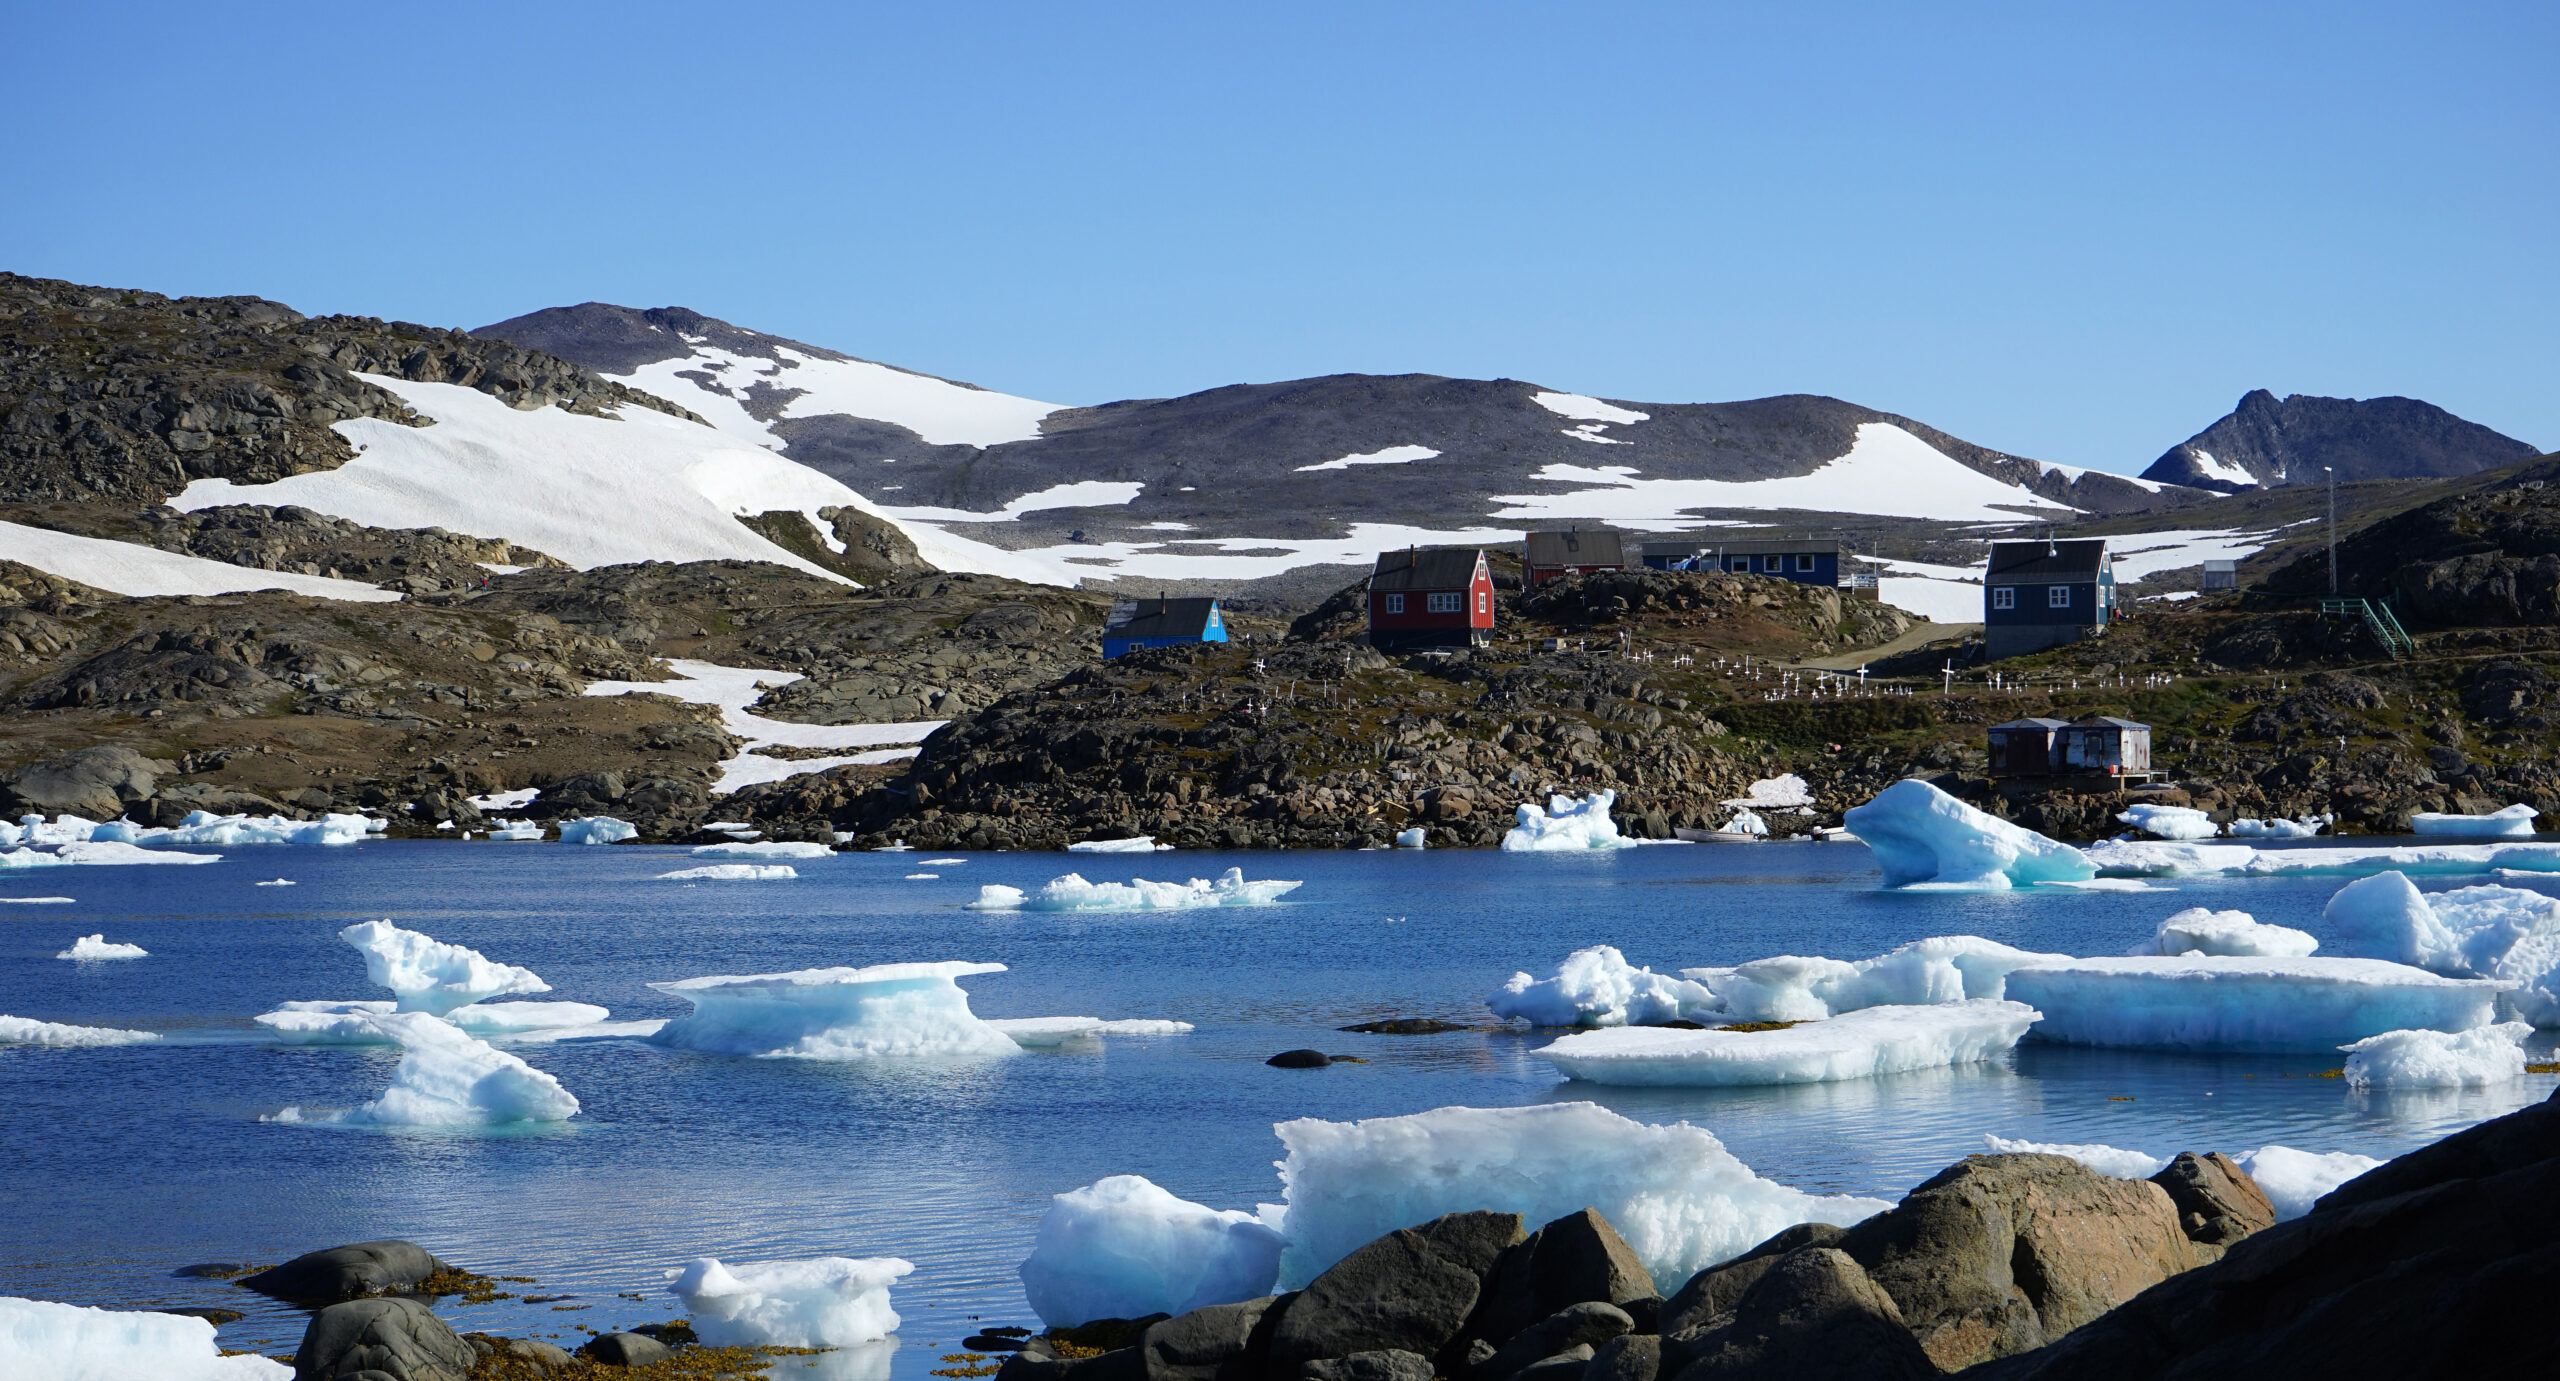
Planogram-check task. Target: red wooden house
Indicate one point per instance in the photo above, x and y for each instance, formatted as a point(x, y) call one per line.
point(1438, 598)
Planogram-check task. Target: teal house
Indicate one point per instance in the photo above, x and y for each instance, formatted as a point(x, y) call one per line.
point(1161, 622)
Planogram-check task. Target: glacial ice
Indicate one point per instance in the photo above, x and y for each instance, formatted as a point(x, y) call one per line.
point(1124, 1248)
point(2148, 858)
point(1921, 835)
point(1862, 1044)
point(767, 849)
point(733, 872)
point(428, 975)
point(597, 829)
point(446, 1078)
point(1072, 893)
point(885, 1011)
point(1143, 844)
point(1410, 839)
point(1942, 968)
point(2202, 930)
point(1680, 1199)
point(44, 1341)
point(824, 1301)
point(2170, 822)
point(1566, 824)
point(2280, 828)
point(28, 1031)
point(2476, 1058)
point(2218, 1002)
point(2506, 933)
point(2106, 1160)
point(96, 947)
point(1048, 1033)
point(2499, 824)
point(1598, 987)
point(2293, 1180)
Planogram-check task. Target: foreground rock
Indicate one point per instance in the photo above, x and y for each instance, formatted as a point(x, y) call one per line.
point(398, 1338)
point(351, 1272)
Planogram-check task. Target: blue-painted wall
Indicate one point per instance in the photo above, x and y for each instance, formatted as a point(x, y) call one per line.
point(1216, 632)
point(1826, 567)
point(2034, 604)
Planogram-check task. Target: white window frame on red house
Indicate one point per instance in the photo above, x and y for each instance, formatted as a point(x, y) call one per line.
point(1484, 602)
point(1445, 602)
point(1395, 604)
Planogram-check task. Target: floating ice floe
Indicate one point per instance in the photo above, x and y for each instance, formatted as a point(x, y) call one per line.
point(1566, 824)
point(2505, 933)
point(516, 831)
point(1143, 844)
point(40, 1339)
point(944, 862)
point(2147, 858)
point(2476, 1058)
point(771, 848)
point(274, 882)
point(36, 901)
point(2498, 824)
point(2200, 930)
point(1048, 1033)
point(1677, 1196)
point(2109, 885)
point(1792, 987)
point(89, 947)
point(733, 872)
point(1922, 836)
point(885, 1011)
point(350, 1023)
point(2280, 828)
point(2170, 822)
point(28, 1031)
point(1123, 1248)
point(1780, 791)
point(200, 827)
point(447, 1078)
point(428, 975)
point(2214, 1002)
point(1598, 987)
point(597, 829)
point(1862, 1044)
point(824, 1301)
point(1410, 838)
point(921, 877)
point(2106, 1160)
point(1073, 893)
point(101, 853)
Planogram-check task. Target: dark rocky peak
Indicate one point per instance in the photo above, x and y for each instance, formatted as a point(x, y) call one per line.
point(617, 340)
point(2265, 442)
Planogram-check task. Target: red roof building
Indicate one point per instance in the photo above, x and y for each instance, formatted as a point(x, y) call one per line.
point(1436, 598)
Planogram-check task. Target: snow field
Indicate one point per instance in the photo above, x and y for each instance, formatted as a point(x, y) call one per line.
point(1124, 1248)
point(2476, 1058)
point(1859, 1045)
point(1886, 470)
point(824, 1301)
point(734, 689)
point(1072, 893)
point(2213, 1002)
point(885, 1011)
point(1777, 792)
point(130, 568)
point(44, 1341)
point(1923, 836)
point(1565, 825)
point(1392, 455)
point(93, 947)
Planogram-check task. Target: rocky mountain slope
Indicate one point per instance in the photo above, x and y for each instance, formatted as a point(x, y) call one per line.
point(2264, 442)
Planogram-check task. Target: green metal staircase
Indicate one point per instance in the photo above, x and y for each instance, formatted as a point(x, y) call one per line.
point(2378, 620)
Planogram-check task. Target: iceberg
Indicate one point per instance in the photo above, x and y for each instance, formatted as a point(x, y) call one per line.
point(2515, 820)
point(1786, 789)
point(2505, 933)
point(28, 1031)
point(1677, 1196)
point(70, 1342)
point(2293, 1180)
point(1073, 893)
point(1566, 824)
point(1943, 968)
point(2170, 822)
point(771, 848)
point(274, 882)
point(96, 947)
point(886, 1011)
point(205, 827)
point(516, 831)
point(448, 1079)
point(597, 829)
point(43, 901)
point(1410, 839)
point(1122, 1248)
point(2217, 1002)
point(824, 1301)
point(1143, 844)
point(733, 872)
point(1863, 1044)
point(2279, 828)
point(1921, 835)
point(2146, 858)
point(1745, 822)
point(2201, 930)
point(1048, 1033)
point(2106, 1160)
point(1598, 987)
point(2476, 1058)
point(97, 854)
point(428, 975)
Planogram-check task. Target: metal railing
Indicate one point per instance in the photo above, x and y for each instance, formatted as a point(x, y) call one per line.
point(2378, 620)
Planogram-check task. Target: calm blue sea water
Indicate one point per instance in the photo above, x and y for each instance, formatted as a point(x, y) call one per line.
point(118, 1165)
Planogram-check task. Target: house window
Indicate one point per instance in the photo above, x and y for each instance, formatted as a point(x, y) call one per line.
point(1484, 602)
point(2004, 597)
point(1395, 604)
point(2058, 597)
point(1773, 564)
point(1447, 602)
point(1741, 563)
point(1804, 564)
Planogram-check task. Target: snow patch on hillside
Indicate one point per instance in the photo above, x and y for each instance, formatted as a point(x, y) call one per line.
point(2213, 469)
point(1582, 408)
point(1887, 471)
point(733, 689)
point(1080, 494)
point(1393, 455)
point(940, 411)
point(129, 568)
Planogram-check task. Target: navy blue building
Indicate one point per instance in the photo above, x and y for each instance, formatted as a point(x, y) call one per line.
point(1804, 560)
point(1161, 622)
point(2042, 594)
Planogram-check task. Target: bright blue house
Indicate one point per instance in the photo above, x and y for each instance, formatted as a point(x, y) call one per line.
point(1161, 622)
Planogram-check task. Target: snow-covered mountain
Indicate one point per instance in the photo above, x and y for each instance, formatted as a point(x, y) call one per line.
point(2264, 443)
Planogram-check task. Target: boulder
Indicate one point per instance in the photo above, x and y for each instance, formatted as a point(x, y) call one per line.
point(1205, 1344)
point(1039, 1361)
point(1389, 1365)
point(1567, 1365)
point(1632, 1357)
point(98, 782)
point(1584, 1325)
point(349, 1272)
point(1576, 1258)
point(536, 1351)
point(1408, 1291)
point(1717, 1289)
point(398, 1338)
point(2218, 1204)
point(1812, 1316)
point(625, 1350)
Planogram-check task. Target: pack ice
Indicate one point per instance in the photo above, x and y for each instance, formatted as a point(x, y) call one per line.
point(885, 1011)
point(97, 853)
point(2476, 1058)
point(1680, 1199)
point(2293, 1180)
point(2129, 858)
point(2201, 930)
point(1943, 968)
point(1859, 1045)
point(2280, 828)
point(1598, 987)
point(1072, 893)
point(69, 1342)
point(427, 975)
point(1923, 836)
point(446, 1078)
point(2170, 822)
point(824, 1301)
point(1123, 1248)
point(2512, 821)
point(1048, 1033)
point(200, 827)
point(1565, 824)
point(345, 1023)
point(733, 872)
point(28, 1031)
point(89, 947)
point(767, 849)
point(2222, 1002)
point(2505, 933)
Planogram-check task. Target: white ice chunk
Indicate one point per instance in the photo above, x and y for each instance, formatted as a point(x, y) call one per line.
point(597, 829)
point(1072, 893)
point(96, 947)
point(733, 872)
point(2106, 1160)
point(2170, 822)
point(205, 827)
point(1143, 844)
point(2475, 1058)
point(1410, 839)
point(28, 1031)
point(995, 896)
point(1745, 822)
point(2506, 933)
point(1786, 789)
point(1680, 1199)
point(430, 976)
point(2232, 1003)
point(2512, 821)
point(1943, 968)
point(488, 1018)
point(2201, 930)
point(1598, 987)
point(2280, 828)
point(1123, 1248)
point(885, 1011)
point(516, 831)
point(101, 853)
point(2294, 1180)
point(792, 848)
point(44, 901)
point(496, 801)
point(44, 1341)
point(1566, 824)
point(274, 882)
point(2148, 858)
point(824, 1301)
point(448, 1079)
point(1921, 835)
point(318, 1023)
point(1860, 1045)
point(1048, 1033)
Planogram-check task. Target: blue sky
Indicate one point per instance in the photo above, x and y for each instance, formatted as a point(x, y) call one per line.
point(2077, 232)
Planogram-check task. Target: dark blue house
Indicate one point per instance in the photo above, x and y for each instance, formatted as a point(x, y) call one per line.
point(1804, 560)
point(1161, 622)
point(2042, 594)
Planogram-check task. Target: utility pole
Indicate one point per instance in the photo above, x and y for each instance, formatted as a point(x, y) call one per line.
point(2332, 473)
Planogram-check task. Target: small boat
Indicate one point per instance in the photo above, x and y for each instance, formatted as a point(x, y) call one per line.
point(1716, 836)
